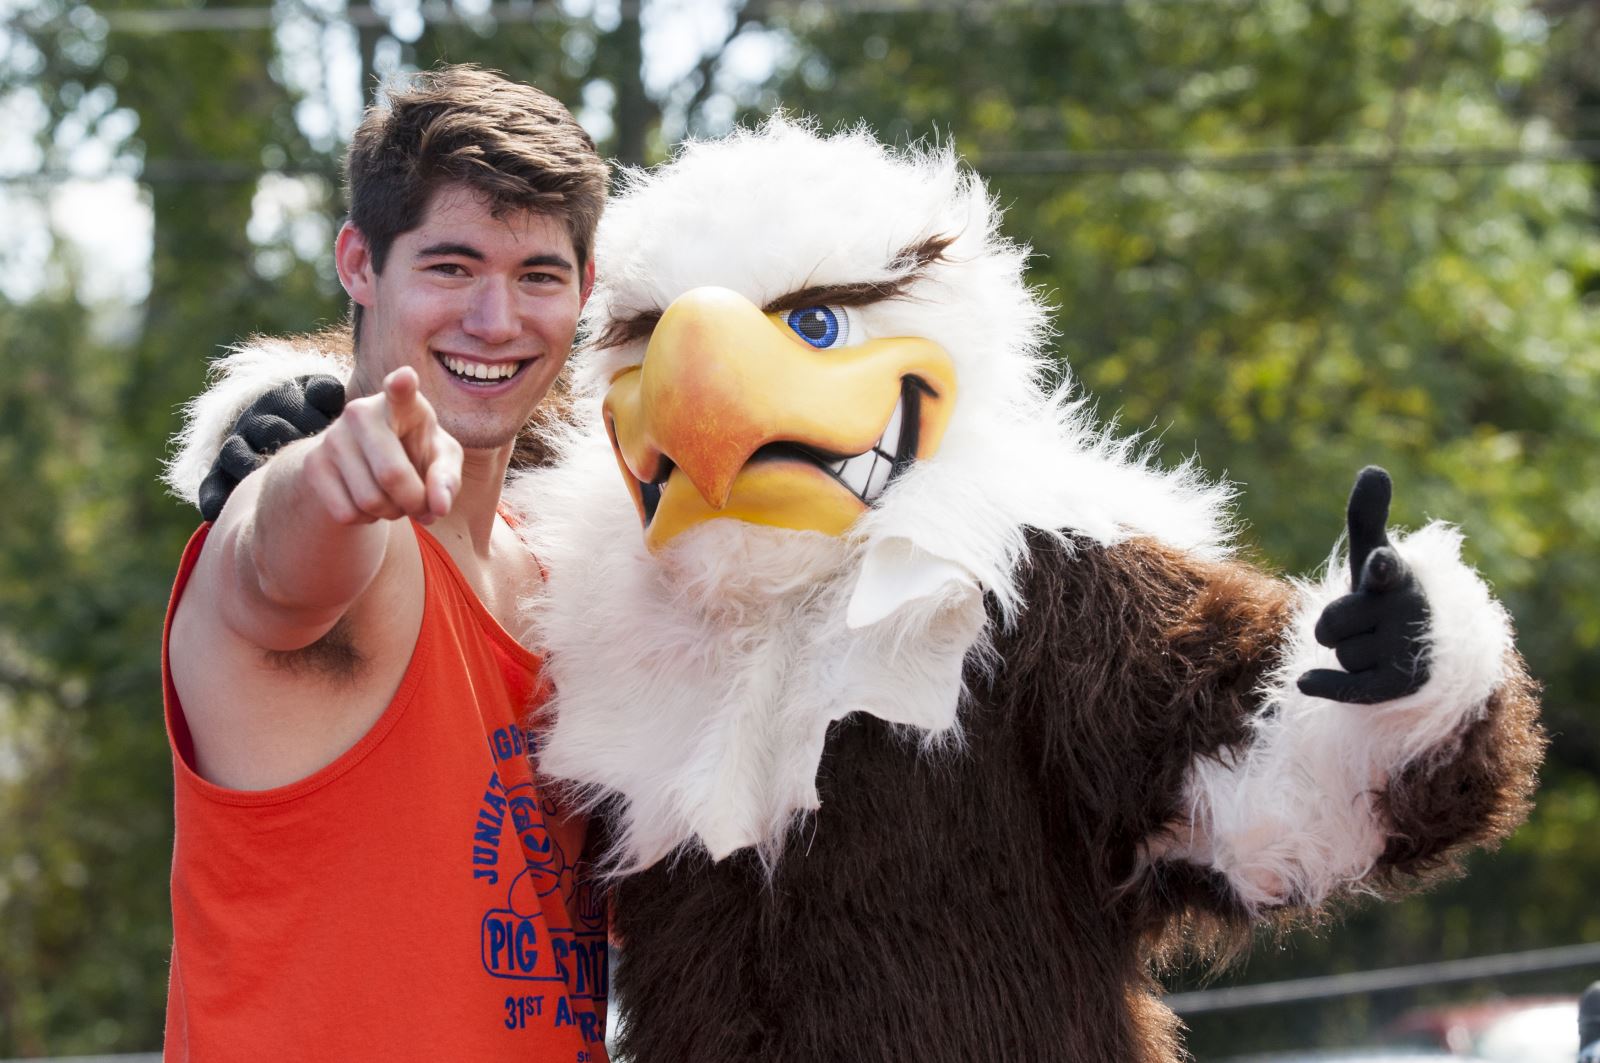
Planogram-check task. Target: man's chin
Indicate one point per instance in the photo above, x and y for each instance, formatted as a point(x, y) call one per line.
point(498, 421)
point(481, 433)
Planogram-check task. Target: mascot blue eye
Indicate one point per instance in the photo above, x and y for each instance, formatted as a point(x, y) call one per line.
point(820, 326)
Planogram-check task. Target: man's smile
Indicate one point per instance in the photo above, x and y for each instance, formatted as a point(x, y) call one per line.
point(477, 373)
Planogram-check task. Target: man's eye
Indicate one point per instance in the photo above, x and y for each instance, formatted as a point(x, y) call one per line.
point(448, 269)
point(821, 326)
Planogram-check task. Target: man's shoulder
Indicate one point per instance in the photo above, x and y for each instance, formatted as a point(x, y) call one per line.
point(262, 717)
point(501, 581)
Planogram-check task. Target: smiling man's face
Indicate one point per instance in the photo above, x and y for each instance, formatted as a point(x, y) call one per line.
point(483, 307)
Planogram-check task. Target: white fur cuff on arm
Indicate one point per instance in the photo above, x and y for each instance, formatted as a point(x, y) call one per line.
point(1295, 816)
point(238, 378)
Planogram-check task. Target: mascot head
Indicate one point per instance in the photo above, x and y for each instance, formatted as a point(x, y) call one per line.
point(789, 324)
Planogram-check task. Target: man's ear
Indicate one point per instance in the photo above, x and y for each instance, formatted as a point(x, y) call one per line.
point(587, 285)
point(352, 257)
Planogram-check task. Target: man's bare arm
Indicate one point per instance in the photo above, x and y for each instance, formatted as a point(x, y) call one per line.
point(303, 539)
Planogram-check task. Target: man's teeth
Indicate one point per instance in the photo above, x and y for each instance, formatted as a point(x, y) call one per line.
point(480, 370)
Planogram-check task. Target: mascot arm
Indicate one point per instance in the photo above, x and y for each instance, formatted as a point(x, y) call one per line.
point(262, 395)
point(1395, 728)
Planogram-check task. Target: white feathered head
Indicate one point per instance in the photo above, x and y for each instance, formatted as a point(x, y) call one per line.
point(787, 323)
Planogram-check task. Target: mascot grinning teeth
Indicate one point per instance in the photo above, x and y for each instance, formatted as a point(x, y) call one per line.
point(919, 714)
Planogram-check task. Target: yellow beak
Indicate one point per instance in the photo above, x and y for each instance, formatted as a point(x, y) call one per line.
point(731, 414)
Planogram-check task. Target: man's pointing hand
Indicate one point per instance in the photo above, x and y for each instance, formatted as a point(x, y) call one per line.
point(386, 458)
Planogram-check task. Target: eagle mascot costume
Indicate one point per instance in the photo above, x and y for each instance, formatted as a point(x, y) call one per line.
point(920, 716)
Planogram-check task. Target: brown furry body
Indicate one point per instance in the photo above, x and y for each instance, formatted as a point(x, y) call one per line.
point(989, 902)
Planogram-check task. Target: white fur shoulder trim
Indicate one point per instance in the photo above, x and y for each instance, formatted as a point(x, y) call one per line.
point(1041, 463)
point(698, 684)
point(1293, 818)
point(238, 378)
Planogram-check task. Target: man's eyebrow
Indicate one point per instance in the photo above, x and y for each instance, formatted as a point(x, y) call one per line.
point(913, 262)
point(449, 250)
point(446, 249)
point(553, 261)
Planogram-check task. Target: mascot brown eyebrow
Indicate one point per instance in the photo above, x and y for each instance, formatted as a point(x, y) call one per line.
point(922, 716)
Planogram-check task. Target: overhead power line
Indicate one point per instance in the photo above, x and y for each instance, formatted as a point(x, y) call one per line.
point(156, 21)
point(1310, 157)
point(968, 7)
point(1300, 990)
point(1012, 163)
point(161, 172)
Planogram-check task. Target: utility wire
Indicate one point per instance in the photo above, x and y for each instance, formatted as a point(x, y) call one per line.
point(157, 21)
point(997, 163)
point(160, 172)
point(1300, 990)
point(969, 7)
point(1309, 157)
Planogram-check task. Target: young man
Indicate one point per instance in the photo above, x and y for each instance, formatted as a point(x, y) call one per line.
point(364, 868)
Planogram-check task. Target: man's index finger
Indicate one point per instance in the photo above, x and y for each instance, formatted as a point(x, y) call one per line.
point(403, 401)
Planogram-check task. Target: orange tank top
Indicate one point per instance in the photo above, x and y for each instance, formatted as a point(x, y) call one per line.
point(417, 899)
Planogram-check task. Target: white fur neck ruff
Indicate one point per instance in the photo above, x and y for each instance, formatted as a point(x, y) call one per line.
point(699, 683)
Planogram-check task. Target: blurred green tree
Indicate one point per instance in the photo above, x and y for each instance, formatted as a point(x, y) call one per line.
point(1223, 280)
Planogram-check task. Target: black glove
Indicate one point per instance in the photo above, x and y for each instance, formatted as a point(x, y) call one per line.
point(293, 410)
point(1377, 629)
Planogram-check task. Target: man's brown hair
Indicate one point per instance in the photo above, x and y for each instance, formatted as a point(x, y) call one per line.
point(516, 146)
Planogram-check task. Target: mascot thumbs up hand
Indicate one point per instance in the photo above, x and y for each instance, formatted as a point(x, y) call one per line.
point(1427, 683)
point(1376, 630)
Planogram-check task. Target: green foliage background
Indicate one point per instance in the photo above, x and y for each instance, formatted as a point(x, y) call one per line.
point(1288, 317)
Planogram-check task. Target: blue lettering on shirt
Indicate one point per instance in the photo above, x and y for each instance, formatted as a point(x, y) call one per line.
point(508, 742)
point(486, 835)
point(518, 939)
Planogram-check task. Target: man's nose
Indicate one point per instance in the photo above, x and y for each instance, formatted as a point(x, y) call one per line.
point(492, 317)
